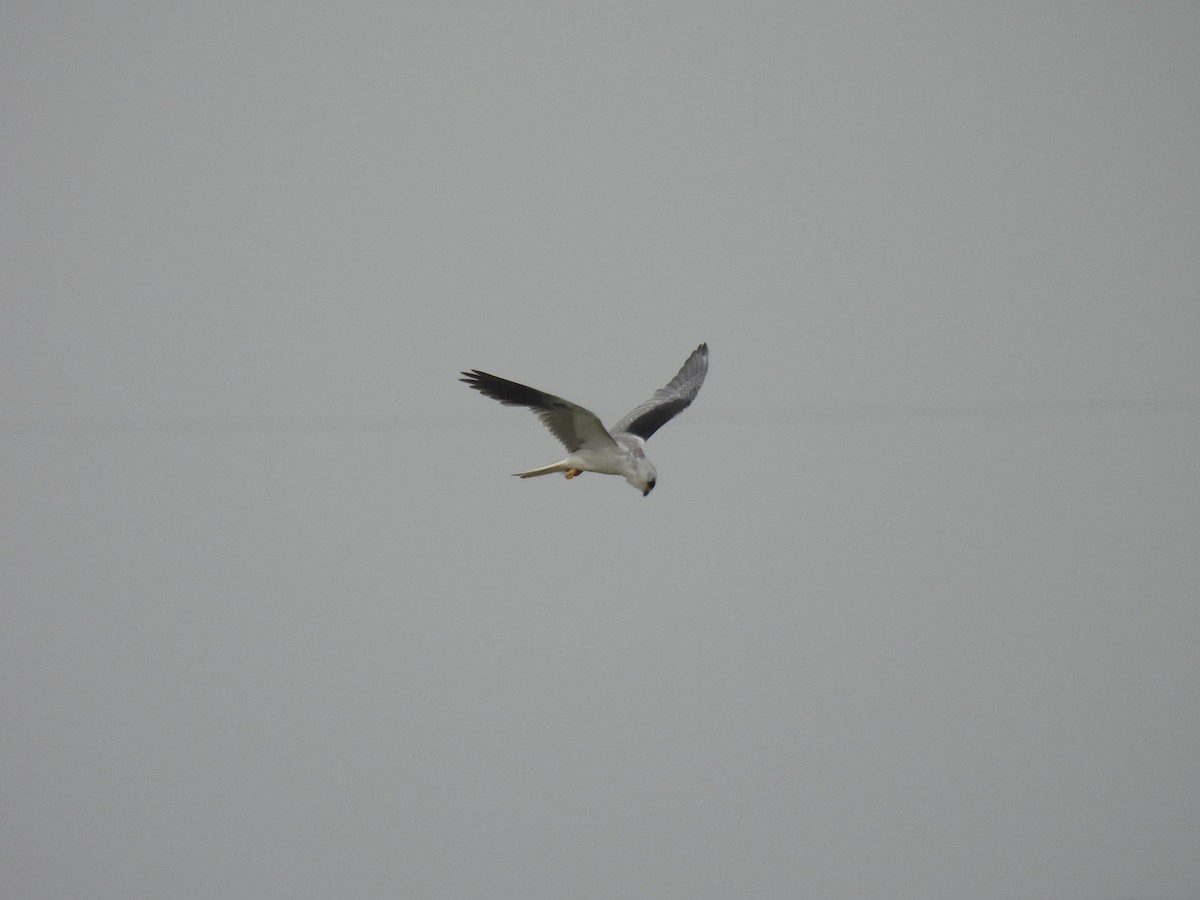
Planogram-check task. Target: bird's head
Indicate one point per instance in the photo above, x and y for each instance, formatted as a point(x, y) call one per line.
point(644, 477)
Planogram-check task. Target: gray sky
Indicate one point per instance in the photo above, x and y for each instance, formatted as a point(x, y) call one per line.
point(913, 611)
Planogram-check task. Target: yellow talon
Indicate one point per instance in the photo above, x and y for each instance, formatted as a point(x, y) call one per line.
point(571, 473)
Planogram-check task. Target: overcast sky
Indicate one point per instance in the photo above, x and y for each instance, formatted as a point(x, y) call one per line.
point(914, 609)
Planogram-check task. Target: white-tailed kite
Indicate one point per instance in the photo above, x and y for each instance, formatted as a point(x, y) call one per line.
point(590, 446)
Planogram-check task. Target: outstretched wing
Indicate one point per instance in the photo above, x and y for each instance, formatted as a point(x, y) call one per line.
point(668, 401)
point(575, 426)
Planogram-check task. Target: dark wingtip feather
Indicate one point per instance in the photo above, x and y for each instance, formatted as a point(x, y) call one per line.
point(510, 393)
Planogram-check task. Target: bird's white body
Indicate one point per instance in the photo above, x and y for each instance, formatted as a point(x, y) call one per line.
point(629, 462)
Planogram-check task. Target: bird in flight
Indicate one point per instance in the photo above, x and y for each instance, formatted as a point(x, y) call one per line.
point(590, 446)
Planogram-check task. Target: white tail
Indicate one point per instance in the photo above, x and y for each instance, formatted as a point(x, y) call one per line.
point(544, 470)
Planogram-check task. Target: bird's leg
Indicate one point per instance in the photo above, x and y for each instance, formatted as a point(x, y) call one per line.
point(571, 473)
